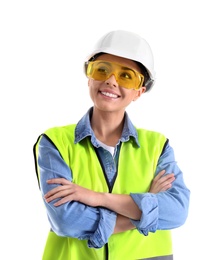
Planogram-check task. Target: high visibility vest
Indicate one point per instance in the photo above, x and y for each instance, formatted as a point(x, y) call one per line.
point(136, 170)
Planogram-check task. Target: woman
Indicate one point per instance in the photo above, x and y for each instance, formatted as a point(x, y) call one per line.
point(111, 190)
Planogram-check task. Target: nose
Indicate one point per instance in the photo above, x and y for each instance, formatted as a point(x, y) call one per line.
point(112, 81)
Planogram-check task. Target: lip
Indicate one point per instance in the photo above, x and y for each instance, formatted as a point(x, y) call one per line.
point(110, 92)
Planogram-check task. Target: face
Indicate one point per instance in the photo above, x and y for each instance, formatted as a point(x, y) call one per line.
point(108, 95)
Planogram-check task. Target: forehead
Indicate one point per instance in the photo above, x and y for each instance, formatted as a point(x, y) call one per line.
point(126, 62)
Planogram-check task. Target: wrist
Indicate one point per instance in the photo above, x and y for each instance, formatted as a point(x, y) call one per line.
point(102, 199)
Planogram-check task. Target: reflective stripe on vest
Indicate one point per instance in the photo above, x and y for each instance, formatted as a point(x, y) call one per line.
point(168, 257)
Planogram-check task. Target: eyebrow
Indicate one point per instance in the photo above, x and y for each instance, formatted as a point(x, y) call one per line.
point(123, 67)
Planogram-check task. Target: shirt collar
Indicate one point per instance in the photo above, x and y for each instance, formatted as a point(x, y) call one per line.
point(83, 129)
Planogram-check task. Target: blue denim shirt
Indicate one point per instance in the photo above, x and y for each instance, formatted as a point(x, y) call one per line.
point(164, 210)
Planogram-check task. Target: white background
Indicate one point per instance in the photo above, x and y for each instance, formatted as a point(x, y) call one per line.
point(42, 48)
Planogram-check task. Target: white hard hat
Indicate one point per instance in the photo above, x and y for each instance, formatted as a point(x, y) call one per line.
point(127, 45)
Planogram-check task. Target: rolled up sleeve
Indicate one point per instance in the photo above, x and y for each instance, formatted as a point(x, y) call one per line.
point(104, 229)
point(167, 209)
point(71, 219)
point(148, 204)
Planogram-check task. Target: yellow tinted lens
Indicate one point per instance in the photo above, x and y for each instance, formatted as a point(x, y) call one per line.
point(126, 77)
point(99, 70)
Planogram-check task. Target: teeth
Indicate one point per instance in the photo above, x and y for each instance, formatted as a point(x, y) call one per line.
point(109, 94)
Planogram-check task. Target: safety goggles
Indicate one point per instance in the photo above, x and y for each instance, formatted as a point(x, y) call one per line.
point(126, 77)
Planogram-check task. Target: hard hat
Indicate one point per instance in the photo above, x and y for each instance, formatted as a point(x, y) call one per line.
point(127, 45)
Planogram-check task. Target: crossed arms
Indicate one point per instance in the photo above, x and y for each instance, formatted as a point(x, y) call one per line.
point(70, 205)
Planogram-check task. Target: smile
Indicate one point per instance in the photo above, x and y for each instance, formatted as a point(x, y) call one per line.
point(107, 94)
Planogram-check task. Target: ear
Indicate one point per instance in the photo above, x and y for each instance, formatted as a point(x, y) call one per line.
point(140, 92)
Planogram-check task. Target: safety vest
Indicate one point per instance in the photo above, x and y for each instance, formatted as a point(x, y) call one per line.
point(136, 170)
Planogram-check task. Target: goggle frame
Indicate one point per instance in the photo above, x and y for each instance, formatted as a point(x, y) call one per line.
point(91, 68)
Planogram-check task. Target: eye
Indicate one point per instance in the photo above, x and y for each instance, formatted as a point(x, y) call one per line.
point(126, 75)
point(103, 69)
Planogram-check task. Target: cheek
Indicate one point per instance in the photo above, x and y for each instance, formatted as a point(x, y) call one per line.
point(94, 83)
point(90, 82)
point(93, 87)
point(130, 94)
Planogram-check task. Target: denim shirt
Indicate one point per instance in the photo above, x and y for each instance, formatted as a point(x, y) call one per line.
point(164, 210)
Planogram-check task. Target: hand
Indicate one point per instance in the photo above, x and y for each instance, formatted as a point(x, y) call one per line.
point(69, 191)
point(161, 182)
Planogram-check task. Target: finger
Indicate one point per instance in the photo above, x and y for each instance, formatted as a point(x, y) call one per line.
point(167, 184)
point(61, 181)
point(166, 177)
point(166, 187)
point(55, 190)
point(160, 174)
point(57, 195)
point(159, 178)
point(169, 179)
point(63, 201)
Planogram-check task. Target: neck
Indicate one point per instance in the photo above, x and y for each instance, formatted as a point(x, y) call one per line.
point(107, 126)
